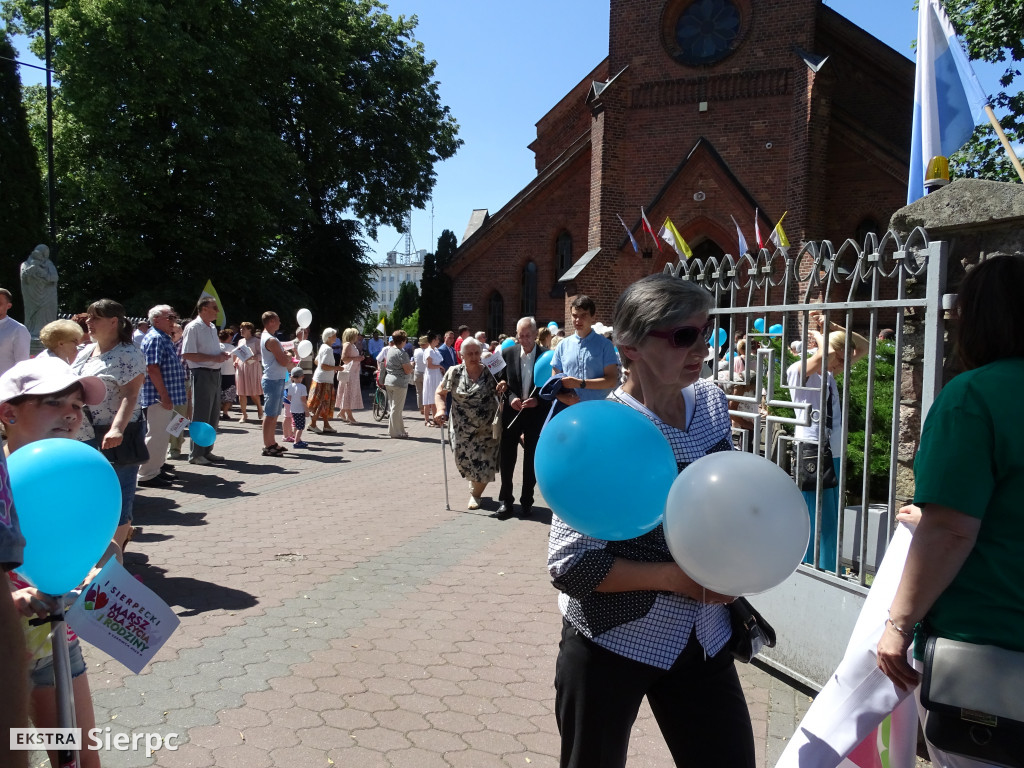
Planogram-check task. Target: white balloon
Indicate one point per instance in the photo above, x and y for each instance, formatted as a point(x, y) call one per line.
point(736, 523)
point(304, 317)
point(305, 348)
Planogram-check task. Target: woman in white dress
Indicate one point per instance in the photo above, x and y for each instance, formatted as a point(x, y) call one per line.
point(431, 378)
point(350, 396)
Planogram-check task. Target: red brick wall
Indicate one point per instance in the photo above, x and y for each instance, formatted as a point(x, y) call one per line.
point(776, 136)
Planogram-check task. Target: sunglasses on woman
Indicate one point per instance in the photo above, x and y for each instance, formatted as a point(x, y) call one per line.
point(685, 336)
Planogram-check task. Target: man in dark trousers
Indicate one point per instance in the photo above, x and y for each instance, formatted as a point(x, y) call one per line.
point(523, 417)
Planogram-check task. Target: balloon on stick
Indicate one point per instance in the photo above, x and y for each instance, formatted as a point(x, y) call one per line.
point(722, 336)
point(63, 541)
point(736, 523)
point(542, 368)
point(508, 343)
point(602, 439)
point(304, 317)
point(304, 348)
point(759, 325)
point(775, 330)
point(202, 434)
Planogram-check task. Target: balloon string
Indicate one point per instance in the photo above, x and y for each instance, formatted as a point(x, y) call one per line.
point(704, 599)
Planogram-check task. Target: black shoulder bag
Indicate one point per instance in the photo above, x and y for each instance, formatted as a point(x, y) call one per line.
point(807, 456)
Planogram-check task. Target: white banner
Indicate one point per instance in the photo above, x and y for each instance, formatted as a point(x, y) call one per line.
point(842, 727)
point(122, 617)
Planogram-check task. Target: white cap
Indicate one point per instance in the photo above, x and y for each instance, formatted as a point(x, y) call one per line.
point(46, 376)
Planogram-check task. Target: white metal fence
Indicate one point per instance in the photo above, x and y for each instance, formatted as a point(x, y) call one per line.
point(860, 286)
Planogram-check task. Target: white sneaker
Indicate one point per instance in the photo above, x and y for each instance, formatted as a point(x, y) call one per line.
point(474, 503)
point(202, 461)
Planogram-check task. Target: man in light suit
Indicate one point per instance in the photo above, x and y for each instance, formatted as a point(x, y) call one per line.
point(523, 417)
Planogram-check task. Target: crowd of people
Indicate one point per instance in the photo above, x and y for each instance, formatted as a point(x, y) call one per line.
point(635, 625)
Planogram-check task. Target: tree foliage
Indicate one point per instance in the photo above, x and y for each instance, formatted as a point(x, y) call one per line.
point(251, 143)
point(406, 304)
point(22, 201)
point(994, 32)
point(436, 301)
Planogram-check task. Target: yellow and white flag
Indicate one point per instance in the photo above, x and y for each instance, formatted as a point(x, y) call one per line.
point(671, 235)
point(380, 325)
point(778, 235)
point(210, 291)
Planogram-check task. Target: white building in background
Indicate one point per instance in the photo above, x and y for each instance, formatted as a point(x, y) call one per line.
point(398, 268)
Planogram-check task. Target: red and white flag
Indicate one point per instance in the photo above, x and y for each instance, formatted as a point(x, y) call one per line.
point(646, 225)
point(757, 231)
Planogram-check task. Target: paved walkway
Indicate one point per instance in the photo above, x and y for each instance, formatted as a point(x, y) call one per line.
point(335, 613)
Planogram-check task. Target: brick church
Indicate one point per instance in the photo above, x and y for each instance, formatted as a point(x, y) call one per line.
point(702, 110)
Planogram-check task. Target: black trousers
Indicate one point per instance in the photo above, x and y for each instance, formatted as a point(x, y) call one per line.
point(528, 426)
point(698, 703)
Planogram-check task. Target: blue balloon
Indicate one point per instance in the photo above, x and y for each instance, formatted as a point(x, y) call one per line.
point(759, 325)
point(617, 442)
point(508, 343)
point(202, 434)
point(542, 368)
point(722, 336)
point(775, 330)
point(553, 326)
point(64, 538)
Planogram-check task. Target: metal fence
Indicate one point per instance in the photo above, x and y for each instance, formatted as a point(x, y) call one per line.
point(859, 286)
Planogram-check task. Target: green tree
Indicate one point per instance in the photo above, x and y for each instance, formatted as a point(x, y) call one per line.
point(406, 303)
point(354, 97)
point(994, 32)
point(248, 142)
point(436, 301)
point(22, 201)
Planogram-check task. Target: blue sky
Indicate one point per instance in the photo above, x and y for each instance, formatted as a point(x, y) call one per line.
point(502, 66)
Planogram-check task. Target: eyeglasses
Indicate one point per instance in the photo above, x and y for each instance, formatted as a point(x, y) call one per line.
point(685, 336)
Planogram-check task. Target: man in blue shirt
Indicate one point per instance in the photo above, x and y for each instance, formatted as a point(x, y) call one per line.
point(586, 358)
point(447, 351)
point(163, 389)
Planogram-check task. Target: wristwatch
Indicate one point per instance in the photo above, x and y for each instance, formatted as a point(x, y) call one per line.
point(583, 383)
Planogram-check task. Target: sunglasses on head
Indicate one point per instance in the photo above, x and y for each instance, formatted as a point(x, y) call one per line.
point(685, 336)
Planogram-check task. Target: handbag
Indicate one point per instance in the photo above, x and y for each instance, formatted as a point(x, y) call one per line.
point(750, 631)
point(807, 458)
point(132, 449)
point(807, 467)
point(973, 702)
point(496, 423)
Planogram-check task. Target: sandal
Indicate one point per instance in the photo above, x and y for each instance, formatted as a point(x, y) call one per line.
point(274, 450)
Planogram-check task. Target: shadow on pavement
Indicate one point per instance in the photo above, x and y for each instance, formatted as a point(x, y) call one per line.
point(158, 510)
point(194, 595)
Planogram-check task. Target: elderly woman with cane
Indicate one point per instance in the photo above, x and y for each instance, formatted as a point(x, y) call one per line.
point(634, 624)
point(475, 394)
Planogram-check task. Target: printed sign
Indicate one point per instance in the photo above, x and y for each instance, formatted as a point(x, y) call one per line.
point(122, 617)
point(243, 352)
point(494, 362)
point(467, 307)
point(177, 425)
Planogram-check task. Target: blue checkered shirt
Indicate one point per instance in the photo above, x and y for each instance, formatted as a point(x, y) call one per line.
point(159, 350)
point(646, 626)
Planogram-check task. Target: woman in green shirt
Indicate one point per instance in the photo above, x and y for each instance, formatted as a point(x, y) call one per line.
point(964, 577)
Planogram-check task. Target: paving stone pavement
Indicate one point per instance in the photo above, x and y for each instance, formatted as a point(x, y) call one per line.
point(335, 613)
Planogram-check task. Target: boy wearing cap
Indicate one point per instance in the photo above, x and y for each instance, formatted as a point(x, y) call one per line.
point(297, 395)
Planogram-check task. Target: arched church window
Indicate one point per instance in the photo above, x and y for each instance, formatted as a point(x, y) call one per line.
point(495, 316)
point(702, 32)
point(563, 254)
point(529, 305)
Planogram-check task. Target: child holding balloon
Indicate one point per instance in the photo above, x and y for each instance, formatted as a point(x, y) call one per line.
point(42, 398)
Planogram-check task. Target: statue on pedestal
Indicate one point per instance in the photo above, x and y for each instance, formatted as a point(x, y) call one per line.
point(39, 289)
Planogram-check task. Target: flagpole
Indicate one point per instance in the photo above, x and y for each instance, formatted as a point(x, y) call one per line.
point(1002, 138)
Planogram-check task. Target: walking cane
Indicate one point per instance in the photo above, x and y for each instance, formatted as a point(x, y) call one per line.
point(444, 463)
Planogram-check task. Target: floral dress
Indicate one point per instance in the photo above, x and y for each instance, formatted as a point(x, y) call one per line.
point(474, 403)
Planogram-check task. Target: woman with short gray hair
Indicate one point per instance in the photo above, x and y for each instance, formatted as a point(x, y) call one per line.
point(634, 624)
point(320, 403)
